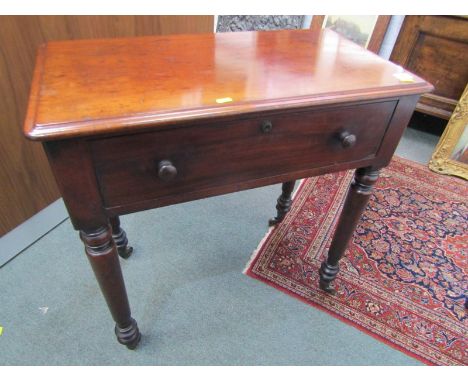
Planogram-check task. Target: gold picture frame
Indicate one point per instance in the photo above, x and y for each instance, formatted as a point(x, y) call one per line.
point(453, 139)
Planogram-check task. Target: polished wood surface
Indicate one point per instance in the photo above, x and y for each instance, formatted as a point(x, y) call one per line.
point(136, 134)
point(355, 202)
point(120, 238)
point(204, 160)
point(26, 181)
point(125, 85)
point(284, 203)
point(101, 251)
point(436, 48)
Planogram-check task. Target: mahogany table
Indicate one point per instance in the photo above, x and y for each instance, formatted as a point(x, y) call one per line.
point(138, 123)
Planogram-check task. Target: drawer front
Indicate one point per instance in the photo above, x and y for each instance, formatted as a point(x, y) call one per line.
point(180, 160)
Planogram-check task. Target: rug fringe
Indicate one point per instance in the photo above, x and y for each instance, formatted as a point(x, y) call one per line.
point(255, 252)
point(265, 237)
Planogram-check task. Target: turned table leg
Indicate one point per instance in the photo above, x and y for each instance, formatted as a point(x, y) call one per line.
point(102, 254)
point(356, 200)
point(284, 202)
point(120, 238)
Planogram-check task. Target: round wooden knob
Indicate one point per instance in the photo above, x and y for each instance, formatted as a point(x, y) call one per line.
point(166, 170)
point(267, 126)
point(347, 139)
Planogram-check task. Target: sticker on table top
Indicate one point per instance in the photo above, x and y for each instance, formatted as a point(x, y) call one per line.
point(223, 100)
point(404, 77)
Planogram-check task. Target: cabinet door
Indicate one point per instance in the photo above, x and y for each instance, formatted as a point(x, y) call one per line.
point(435, 48)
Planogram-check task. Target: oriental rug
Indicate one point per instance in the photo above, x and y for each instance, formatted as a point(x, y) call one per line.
point(403, 279)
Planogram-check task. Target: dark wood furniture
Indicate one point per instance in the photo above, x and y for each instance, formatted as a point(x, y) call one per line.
point(26, 182)
point(133, 124)
point(436, 48)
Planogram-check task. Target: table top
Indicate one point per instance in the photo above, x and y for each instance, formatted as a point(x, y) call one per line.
point(90, 87)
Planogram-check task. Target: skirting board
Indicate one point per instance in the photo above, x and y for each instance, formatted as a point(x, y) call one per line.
point(27, 233)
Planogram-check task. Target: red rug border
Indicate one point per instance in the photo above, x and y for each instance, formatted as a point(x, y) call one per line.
point(378, 337)
point(250, 265)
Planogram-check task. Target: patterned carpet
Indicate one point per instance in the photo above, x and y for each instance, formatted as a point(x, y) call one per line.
point(404, 278)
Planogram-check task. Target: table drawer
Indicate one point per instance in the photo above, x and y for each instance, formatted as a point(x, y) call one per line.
point(179, 160)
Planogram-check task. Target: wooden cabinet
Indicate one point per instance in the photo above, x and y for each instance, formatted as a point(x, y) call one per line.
point(435, 48)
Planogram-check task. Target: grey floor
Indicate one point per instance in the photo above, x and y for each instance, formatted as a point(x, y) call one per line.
point(187, 291)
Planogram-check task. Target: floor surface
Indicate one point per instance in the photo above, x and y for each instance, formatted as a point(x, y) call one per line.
point(187, 291)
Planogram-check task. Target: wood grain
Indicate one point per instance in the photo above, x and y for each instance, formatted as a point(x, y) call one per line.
point(204, 160)
point(26, 183)
point(316, 23)
point(378, 34)
point(121, 85)
point(132, 124)
point(435, 47)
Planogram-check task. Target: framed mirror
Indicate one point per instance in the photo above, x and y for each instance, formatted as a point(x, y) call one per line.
point(451, 153)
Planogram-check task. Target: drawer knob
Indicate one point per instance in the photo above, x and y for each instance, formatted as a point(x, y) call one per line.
point(166, 170)
point(347, 139)
point(267, 126)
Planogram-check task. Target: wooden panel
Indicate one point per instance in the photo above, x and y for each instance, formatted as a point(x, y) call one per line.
point(26, 182)
point(121, 85)
point(443, 61)
point(26, 185)
point(436, 48)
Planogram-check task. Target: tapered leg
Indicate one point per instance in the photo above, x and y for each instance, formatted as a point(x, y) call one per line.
point(284, 202)
point(356, 200)
point(120, 238)
point(102, 254)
